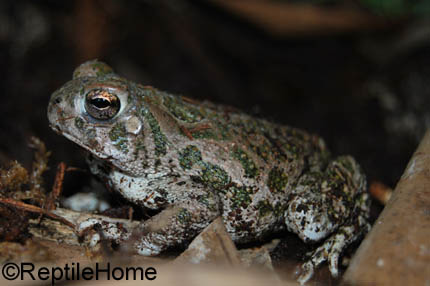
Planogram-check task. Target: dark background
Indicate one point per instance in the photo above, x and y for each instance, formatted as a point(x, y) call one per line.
point(361, 82)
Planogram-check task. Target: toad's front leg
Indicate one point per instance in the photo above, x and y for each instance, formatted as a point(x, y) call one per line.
point(177, 223)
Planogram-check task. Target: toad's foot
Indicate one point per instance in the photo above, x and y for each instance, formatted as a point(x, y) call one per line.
point(330, 251)
point(95, 230)
point(104, 228)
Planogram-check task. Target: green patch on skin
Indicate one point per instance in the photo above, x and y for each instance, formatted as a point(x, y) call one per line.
point(181, 110)
point(293, 150)
point(79, 123)
point(208, 202)
point(203, 200)
point(264, 208)
point(251, 170)
point(118, 136)
point(338, 178)
point(140, 146)
point(224, 131)
point(240, 196)
point(278, 210)
point(101, 69)
point(189, 156)
point(315, 180)
point(249, 125)
point(184, 216)
point(333, 179)
point(160, 139)
point(211, 175)
point(345, 162)
point(214, 176)
point(151, 95)
point(140, 143)
point(203, 134)
point(264, 152)
point(277, 180)
point(199, 134)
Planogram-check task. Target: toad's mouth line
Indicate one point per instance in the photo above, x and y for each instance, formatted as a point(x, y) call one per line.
point(97, 154)
point(108, 160)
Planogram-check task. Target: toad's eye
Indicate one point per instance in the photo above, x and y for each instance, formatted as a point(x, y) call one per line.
point(101, 104)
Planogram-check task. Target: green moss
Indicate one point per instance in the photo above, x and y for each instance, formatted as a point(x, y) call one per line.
point(182, 110)
point(118, 136)
point(79, 123)
point(241, 196)
point(160, 140)
point(251, 170)
point(277, 180)
point(189, 156)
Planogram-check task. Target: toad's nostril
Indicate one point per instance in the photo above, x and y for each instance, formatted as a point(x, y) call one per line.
point(57, 100)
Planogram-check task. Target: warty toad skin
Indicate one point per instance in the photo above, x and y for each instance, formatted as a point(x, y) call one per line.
point(196, 161)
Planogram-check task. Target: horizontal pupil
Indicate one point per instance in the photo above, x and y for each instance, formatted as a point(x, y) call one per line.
point(100, 102)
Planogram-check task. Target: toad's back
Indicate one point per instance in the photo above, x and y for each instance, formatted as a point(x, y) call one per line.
point(250, 163)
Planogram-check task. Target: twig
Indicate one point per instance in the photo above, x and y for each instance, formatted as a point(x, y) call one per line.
point(57, 187)
point(35, 209)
